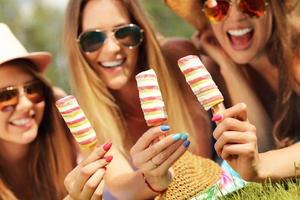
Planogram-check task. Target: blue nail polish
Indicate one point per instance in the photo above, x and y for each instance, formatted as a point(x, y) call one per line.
point(186, 144)
point(176, 136)
point(184, 136)
point(164, 127)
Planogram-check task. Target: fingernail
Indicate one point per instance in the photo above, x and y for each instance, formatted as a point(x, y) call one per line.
point(186, 144)
point(217, 117)
point(184, 136)
point(176, 136)
point(104, 168)
point(107, 146)
point(108, 158)
point(164, 127)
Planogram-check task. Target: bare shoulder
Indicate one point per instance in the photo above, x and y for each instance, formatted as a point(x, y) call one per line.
point(175, 47)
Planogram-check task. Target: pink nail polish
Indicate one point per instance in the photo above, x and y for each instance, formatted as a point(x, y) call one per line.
point(107, 146)
point(108, 158)
point(217, 117)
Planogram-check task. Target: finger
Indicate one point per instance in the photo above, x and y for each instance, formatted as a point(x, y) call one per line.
point(233, 137)
point(231, 124)
point(97, 153)
point(155, 149)
point(154, 162)
point(92, 183)
point(69, 179)
point(162, 156)
point(238, 111)
point(98, 192)
point(87, 171)
point(147, 138)
point(174, 157)
point(230, 151)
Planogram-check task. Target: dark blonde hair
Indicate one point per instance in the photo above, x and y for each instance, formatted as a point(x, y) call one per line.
point(95, 98)
point(52, 154)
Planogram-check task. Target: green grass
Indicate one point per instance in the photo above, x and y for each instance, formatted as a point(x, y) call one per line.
point(278, 191)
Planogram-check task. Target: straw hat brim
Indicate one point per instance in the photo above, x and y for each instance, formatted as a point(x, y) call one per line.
point(191, 10)
point(40, 59)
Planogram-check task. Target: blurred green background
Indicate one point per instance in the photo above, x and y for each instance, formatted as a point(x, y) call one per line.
point(39, 25)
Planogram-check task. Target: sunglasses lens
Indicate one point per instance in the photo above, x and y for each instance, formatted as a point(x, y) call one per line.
point(254, 8)
point(8, 98)
point(218, 12)
point(129, 36)
point(91, 41)
point(35, 92)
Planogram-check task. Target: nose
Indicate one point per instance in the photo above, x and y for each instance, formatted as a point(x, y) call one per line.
point(111, 45)
point(24, 103)
point(235, 13)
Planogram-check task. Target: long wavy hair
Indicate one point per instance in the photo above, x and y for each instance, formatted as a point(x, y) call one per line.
point(284, 43)
point(95, 98)
point(51, 155)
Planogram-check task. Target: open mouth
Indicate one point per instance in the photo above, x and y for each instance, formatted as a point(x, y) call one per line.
point(241, 38)
point(23, 122)
point(112, 64)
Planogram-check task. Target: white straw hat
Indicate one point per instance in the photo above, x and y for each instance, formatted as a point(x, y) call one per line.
point(11, 49)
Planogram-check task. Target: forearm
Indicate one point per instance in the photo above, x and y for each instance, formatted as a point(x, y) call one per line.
point(240, 91)
point(129, 186)
point(279, 164)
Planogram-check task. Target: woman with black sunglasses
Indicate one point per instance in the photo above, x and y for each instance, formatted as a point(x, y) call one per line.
point(256, 45)
point(108, 42)
point(36, 149)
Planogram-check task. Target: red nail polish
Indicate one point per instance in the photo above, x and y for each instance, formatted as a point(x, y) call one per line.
point(217, 117)
point(104, 168)
point(108, 158)
point(107, 146)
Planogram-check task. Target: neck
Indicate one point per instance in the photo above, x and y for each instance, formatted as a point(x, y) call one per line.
point(128, 100)
point(13, 154)
point(268, 71)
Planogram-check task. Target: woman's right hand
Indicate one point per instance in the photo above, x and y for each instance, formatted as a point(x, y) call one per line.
point(237, 142)
point(86, 180)
point(154, 158)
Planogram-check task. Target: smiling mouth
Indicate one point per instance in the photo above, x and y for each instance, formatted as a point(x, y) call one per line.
point(241, 39)
point(112, 64)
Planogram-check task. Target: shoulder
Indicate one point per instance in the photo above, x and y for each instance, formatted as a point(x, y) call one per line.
point(175, 47)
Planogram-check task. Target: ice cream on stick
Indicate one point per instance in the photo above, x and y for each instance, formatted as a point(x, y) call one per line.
point(201, 83)
point(151, 99)
point(77, 122)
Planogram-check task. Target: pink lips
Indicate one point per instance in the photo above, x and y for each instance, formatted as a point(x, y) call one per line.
point(241, 42)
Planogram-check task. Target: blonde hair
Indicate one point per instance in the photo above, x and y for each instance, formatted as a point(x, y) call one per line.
point(51, 155)
point(97, 101)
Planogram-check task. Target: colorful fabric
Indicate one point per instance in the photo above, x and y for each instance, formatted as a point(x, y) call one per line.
point(229, 181)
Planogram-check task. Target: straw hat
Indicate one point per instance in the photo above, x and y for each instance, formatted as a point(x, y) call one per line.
point(191, 10)
point(193, 175)
point(11, 49)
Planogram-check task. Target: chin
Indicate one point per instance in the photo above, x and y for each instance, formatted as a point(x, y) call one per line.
point(117, 84)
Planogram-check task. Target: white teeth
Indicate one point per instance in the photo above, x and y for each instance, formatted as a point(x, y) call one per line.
point(21, 122)
point(239, 32)
point(112, 63)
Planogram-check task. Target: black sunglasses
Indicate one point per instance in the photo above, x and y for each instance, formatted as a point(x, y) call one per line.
point(10, 96)
point(129, 35)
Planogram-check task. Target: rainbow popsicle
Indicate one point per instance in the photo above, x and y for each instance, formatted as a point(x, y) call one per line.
point(151, 99)
point(200, 81)
point(77, 122)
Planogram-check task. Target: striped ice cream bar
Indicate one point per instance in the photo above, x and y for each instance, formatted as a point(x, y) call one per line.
point(200, 81)
point(77, 122)
point(151, 100)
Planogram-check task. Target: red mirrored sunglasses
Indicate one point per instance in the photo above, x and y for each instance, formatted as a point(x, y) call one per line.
point(9, 96)
point(217, 10)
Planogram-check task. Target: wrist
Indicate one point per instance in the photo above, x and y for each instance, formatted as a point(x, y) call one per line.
point(157, 184)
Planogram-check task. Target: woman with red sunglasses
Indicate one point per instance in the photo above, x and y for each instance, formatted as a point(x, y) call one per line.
point(36, 149)
point(256, 46)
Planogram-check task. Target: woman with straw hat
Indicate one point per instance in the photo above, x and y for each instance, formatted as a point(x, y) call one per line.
point(36, 150)
point(256, 46)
